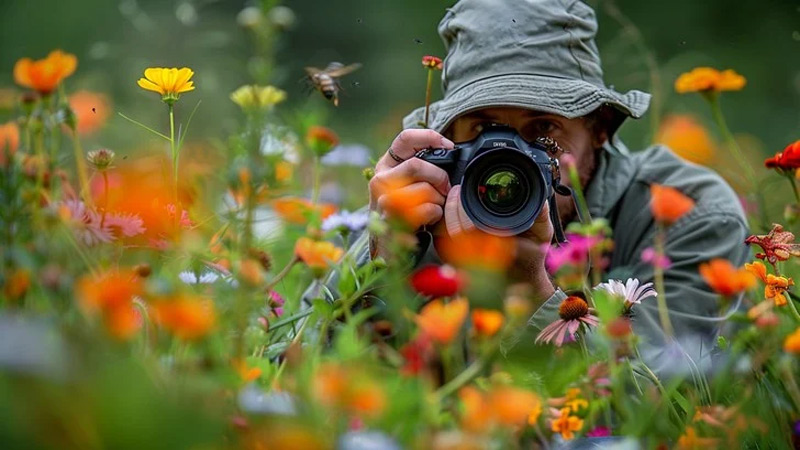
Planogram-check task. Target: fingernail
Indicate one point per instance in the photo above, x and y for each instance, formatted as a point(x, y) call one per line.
point(447, 143)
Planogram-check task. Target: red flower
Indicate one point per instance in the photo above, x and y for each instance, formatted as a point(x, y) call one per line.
point(432, 62)
point(788, 159)
point(416, 354)
point(778, 245)
point(437, 281)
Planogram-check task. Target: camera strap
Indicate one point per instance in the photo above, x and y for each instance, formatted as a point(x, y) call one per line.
point(556, 220)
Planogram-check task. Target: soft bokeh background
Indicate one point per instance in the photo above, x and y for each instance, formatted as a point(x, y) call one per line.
point(645, 45)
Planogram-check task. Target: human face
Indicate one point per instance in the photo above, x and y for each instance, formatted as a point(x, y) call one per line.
point(573, 135)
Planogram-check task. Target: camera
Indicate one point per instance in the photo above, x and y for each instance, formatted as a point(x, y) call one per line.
point(504, 179)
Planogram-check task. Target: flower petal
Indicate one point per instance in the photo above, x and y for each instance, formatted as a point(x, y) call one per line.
point(149, 85)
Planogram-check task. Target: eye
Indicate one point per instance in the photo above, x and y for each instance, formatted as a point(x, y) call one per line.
point(542, 127)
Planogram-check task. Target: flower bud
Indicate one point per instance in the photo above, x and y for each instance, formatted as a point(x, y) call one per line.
point(101, 159)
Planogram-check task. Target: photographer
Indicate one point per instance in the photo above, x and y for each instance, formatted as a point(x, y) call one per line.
point(533, 66)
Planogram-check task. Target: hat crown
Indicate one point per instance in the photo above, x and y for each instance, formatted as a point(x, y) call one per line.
point(487, 38)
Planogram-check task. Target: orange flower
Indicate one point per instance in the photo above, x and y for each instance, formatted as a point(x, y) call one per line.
point(775, 286)
point(566, 424)
point(111, 295)
point(321, 140)
point(478, 250)
point(792, 343)
point(432, 62)
point(187, 317)
point(46, 74)
point(574, 401)
point(477, 415)
point(16, 284)
point(283, 171)
point(514, 407)
point(91, 110)
point(9, 141)
point(724, 278)
point(442, 321)
point(350, 389)
point(668, 204)
point(787, 160)
point(247, 374)
point(690, 441)
point(298, 210)
point(687, 138)
point(317, 254)
point(707, 79)
point(487, 322)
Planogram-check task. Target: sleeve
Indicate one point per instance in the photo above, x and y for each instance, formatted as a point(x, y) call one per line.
point(548, 311)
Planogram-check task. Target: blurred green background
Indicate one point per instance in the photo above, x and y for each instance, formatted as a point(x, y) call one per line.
point(116, 39)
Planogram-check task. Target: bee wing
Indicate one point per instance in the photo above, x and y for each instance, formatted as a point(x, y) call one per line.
point(311, 71)
point(342, 71)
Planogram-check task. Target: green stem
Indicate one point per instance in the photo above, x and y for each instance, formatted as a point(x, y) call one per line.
point(282, 273)
point(174, 151)
point(575, 182)
point(461, 379)
point(658, 273)
point(790, 176)
point(316, 181)
point(105, 197)
point(792, 306)
point(428, 96)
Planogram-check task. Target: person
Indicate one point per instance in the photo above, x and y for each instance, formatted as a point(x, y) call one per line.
point(534, 65)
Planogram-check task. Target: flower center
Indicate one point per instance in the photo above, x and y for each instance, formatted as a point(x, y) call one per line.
point(573, 308)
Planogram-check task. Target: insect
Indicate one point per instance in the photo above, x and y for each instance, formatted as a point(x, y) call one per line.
point(418, 40)
point(94, 110)
point(325, 81)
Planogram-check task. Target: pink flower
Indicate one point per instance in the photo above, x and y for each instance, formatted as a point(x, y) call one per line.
point(573, 311)
point(649, 255)
point(599, 431)
point(276, 303)
point(126, 224)
point(575, 252)
point(185, 221)
point(85, 223)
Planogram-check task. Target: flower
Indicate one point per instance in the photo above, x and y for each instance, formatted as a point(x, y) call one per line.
point(186, 316)
point(437, 281)
point(573, 253)
point(317, 254)
point(246, 373)
point(778, 245)
point(101, 159)
point(298, 210)
point(649, 255)
point(487, 322)
point(566, 424)
point(442, 321)
point(44, 75)
point(432, 62)
point(110, 294)
point(355, 155)
point(725, 279)
point(9, 141)
point(170, 83)
point(788, 159)
point(321, 140)
point(775, 286)
point(690, 441)
point(416, 354)
point(190, 277)
point(253, 96)
point(124, 224)
point(347, 221)
point(16, 284)
point(573, 311)
point(630, 291)
point(91, 110)
point(574, 401)
point(707, 79)
point(275, 302)
point(514, 407)
point(86, 224)
point(792, 343)
point(687, 138)
point(599, 431)
point(668, 204)
point(477, 250)
point(348, 388)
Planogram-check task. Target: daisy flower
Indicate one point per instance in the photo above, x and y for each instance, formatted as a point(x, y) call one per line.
point(573, 311)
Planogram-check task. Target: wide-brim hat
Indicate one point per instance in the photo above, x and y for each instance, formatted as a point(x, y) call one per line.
point(534, 54)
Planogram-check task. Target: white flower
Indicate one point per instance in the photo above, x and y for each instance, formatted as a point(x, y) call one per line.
point(630, 291)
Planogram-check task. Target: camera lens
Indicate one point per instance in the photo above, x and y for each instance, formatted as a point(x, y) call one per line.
point(502, 191)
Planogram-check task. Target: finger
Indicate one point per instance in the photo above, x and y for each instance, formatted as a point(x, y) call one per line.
point(409, 142)
point(410, 196)
point(425, 214)
point(455, 218)
point(416, 169)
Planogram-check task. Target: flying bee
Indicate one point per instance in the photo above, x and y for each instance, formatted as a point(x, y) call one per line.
point(326, 80)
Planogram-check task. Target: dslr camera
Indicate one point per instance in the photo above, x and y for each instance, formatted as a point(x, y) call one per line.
point(504, 179)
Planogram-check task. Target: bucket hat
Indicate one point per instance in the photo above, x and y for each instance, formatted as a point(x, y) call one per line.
point(534, 54)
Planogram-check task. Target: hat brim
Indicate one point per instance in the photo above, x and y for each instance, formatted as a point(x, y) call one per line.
point(563, 97)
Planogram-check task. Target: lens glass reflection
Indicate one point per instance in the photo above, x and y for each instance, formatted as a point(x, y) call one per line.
point(502, 191)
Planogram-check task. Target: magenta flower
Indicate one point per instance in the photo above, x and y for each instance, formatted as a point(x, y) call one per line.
point(575, 252)
point(574, 312)
point(599, 431)
point(276, 303)
point(649, 255)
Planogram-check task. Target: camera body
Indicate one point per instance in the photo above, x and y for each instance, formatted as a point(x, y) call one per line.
point(504, 180)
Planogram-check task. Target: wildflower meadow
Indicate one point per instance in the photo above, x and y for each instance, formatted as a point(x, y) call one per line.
point(219, 291)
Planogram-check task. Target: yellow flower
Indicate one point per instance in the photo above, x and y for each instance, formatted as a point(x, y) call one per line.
point(170, 83)
point(707, 79)
point(574, 400)
point(44, 75)
point(317, 254)
point(252, 96)
point(792, 342)
point(775, 286)
point(566, 424)
point(687, 137)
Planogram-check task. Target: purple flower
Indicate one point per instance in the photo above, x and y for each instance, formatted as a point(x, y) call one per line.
point(574, 252)
point(574, 312)
point(599, 431)
point(344, 220)
point(649, 255)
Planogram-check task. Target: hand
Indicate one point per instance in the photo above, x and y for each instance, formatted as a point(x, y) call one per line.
point(413, 190)
point(529, 265)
